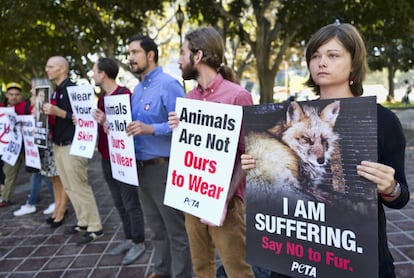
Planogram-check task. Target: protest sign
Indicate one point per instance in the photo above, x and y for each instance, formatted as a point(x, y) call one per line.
point(5, 127)
point(12, 151)
point(30, 148)
point(41, 119)
point(83, 102)
point(202, 157)
point(308, 212)
point(121, 146)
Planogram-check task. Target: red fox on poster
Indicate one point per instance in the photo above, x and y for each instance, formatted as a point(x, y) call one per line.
point(295, 153)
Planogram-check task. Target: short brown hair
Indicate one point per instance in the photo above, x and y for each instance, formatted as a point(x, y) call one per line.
point(352, 41)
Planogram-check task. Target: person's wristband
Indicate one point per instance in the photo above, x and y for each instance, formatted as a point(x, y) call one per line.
point(394, 192)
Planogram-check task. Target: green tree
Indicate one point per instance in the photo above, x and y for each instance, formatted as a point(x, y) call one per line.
point(269, 28)
point(388, 31)
point(34, 30)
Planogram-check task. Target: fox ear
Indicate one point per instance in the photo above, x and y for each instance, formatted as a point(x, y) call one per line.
point(294, 113)
point(331, 112)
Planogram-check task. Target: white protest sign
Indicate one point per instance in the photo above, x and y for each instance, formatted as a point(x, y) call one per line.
point(83, 102)
point(202, 157)
point(30, 148)
point(5, 127)
point(11, 153)
point(121, 146)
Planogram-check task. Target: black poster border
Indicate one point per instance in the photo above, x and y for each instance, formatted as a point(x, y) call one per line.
point(291, 212)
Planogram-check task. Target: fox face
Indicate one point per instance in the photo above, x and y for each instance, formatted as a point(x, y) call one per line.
point(294, 154)
point(311, 136)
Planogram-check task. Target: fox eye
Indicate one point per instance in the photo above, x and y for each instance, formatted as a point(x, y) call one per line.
point(306, 140)
point(325, 143)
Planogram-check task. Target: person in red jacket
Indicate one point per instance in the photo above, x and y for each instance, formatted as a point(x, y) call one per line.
point(124, 196)
point(14, 98)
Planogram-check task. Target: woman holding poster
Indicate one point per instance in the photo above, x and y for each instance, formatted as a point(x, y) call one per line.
point(336, 59)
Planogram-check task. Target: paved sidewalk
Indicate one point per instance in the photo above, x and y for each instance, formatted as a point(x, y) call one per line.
point(30, 248)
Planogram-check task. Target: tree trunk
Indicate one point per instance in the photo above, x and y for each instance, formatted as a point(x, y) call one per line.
point(266, 82)
point(391, 74)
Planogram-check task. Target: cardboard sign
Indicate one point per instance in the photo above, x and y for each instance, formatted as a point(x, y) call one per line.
point(83, 102)
point(30, 148)
point(41, 119)
point(12, 152)
point(5, 127)
point(121, 146)
point(309, 214)
point(202, 157)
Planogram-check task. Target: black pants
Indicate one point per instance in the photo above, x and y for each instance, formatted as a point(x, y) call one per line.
point(2, 176)
point(126, 201)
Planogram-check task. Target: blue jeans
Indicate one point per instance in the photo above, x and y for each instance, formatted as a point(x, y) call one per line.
point(36, 184)
point(126, 201)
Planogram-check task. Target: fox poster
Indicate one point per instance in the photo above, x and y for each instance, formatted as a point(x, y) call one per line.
point(308, 213)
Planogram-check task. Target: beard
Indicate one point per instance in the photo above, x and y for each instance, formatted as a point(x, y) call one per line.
point(139, 70)
point(97, 83)
point(189, 72)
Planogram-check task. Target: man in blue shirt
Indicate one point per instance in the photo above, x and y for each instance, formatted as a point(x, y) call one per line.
point(153, 98)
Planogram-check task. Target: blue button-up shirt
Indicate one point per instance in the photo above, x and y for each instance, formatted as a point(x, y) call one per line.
point(152, 100)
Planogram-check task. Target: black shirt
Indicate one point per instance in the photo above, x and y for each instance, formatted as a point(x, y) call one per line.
point(64, 129)
point(391, 152)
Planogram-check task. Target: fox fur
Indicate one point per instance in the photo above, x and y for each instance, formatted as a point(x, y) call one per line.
point(296, 151)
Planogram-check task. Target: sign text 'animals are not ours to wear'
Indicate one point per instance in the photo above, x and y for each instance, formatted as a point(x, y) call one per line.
point(121, 146)
point(82, 100)
point(202, 157)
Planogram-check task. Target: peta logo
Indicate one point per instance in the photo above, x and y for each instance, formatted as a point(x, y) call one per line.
point(191, 202)
point(303, 269)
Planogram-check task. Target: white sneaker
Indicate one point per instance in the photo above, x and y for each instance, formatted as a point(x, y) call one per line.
point(50, 209)
point(25, 209)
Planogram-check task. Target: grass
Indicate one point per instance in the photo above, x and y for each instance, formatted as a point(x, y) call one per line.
point(397, 105)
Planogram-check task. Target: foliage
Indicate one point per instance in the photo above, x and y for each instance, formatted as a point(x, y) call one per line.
point(270, 28)
point(389, 37)
point(32, 31)
point(260, 34)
